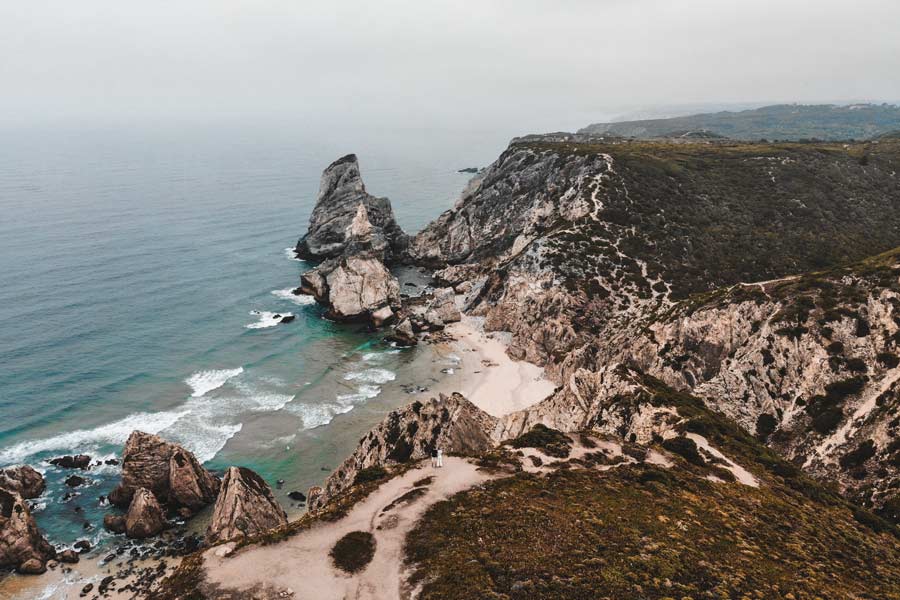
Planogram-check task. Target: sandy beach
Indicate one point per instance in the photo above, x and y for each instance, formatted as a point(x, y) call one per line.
point(486, 375)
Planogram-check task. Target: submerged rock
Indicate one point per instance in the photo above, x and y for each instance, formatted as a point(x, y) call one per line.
point(145, 516)
point(21, 543)
point(171, 473)
point(23, 480)
point(79, 461)
point(341, 192)
point(245, 507)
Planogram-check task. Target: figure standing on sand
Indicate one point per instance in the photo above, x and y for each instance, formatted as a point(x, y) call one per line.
point(434, 457)
point(440, 458)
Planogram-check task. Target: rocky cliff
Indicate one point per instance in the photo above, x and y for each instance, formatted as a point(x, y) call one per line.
point(602, 253)
point(341, 192)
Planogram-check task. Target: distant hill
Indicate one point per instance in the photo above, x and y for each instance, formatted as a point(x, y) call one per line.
point(779, 122)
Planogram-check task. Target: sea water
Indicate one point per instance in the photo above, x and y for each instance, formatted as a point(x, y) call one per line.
point(143, 275)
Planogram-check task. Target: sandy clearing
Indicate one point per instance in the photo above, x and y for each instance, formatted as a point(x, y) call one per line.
point(488, 377)
point(301, 563)
point(740, 473)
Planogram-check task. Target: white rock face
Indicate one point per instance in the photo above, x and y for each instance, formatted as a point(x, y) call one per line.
point(245, 507)
point(359, 287)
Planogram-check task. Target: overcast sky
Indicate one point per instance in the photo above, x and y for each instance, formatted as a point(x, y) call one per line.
point(528, 64)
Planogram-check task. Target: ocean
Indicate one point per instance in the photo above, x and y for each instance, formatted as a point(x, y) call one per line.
point(140, 272)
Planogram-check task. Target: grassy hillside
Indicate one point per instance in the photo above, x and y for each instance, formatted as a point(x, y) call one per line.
point(779, 122)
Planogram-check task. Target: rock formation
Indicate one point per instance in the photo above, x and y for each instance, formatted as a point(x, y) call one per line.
point(167, 470)
point(22, 480)
point(450, 423)
point(595, 254)
point(145, 517)
point(356, 285)
point(21, 543)
point(341, 193)
point(79, 461)
point(245, 507)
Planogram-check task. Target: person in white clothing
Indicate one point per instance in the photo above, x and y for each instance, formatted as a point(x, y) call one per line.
point(440, 458)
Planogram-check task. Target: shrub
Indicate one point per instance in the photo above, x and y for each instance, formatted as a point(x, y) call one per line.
point(550, 441)
point(686, 448)
point(765, 425)
point(888, 359)
point(370, 474)
point(857, 365)
point(354, 551)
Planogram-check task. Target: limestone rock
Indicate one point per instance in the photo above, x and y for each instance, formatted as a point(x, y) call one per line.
point(403, 334)
point(354, 288)
point(246, 506)
point(22, 480)
point(145, 516)
point(451, 423)
point(442, 307)
point(170, 472)
point(341, 193)
point(21, 543)
point(114, 523)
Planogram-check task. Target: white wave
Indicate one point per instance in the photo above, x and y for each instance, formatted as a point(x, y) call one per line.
point(363, 393)
point(267, 319)
point(206, 381)
point(292, 255)
point(258, 400)
point(202, 437)
point(371, 376)
point(316, 415)
point(378, 357)
point(85, 440)
point(289, 295)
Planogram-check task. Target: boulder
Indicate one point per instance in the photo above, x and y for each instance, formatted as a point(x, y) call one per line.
point(171, 473)
point(23, 480)
point(21, 543)
point(68, 556)
point(403, 334)
point(382, 316)
point(331, 225)
point(75, 480)
point(443, 307)
point(246, 506)
point(79, 461)
point(359, 287)
point(114, 523)
point(145, 516)
point(297, 496)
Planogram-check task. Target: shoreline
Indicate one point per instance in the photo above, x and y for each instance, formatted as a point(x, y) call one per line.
point(487, 376)
point(481, 371)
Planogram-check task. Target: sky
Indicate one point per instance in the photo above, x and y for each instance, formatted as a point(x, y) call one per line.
point(525, 65)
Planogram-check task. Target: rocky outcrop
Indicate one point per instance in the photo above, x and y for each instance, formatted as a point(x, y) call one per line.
point(79, 461)
point(331, 225)
point(145, 516)
point(356, 286)
point(22, 480)
point(21, 543)
point(170, 472)
point(246, 506)
point(450, 423)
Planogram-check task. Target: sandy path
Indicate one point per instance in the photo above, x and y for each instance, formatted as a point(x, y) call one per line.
point(301, 564)
point(488, 377)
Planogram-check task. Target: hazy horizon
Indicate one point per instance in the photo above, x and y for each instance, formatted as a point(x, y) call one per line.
point(515, 67)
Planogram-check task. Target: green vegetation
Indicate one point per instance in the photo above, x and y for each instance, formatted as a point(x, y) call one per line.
point(353, 552)
point(374, 473)
point(779, 122)
point(644, 532)
point(550, 441)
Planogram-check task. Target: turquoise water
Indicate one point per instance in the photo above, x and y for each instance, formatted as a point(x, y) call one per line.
point(130, 262)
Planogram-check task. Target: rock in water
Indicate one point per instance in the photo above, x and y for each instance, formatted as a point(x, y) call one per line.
point(245, 507)
point(170, 472)
point(21, 544)
point(341, 192)
point(114, 523)
point(79, 461)
point(403, 334)
point(145, 517)
point(23, 480)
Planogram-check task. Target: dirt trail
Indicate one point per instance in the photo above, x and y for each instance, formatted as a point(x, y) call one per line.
point(300, 567)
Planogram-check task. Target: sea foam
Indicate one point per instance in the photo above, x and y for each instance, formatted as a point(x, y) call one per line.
point(292, 254)
point(289, 295)
point(206, 381)
point(267, 319)
point(371, 376)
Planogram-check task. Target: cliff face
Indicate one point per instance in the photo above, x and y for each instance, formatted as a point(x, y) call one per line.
point(606, 253)
point(341, 192)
